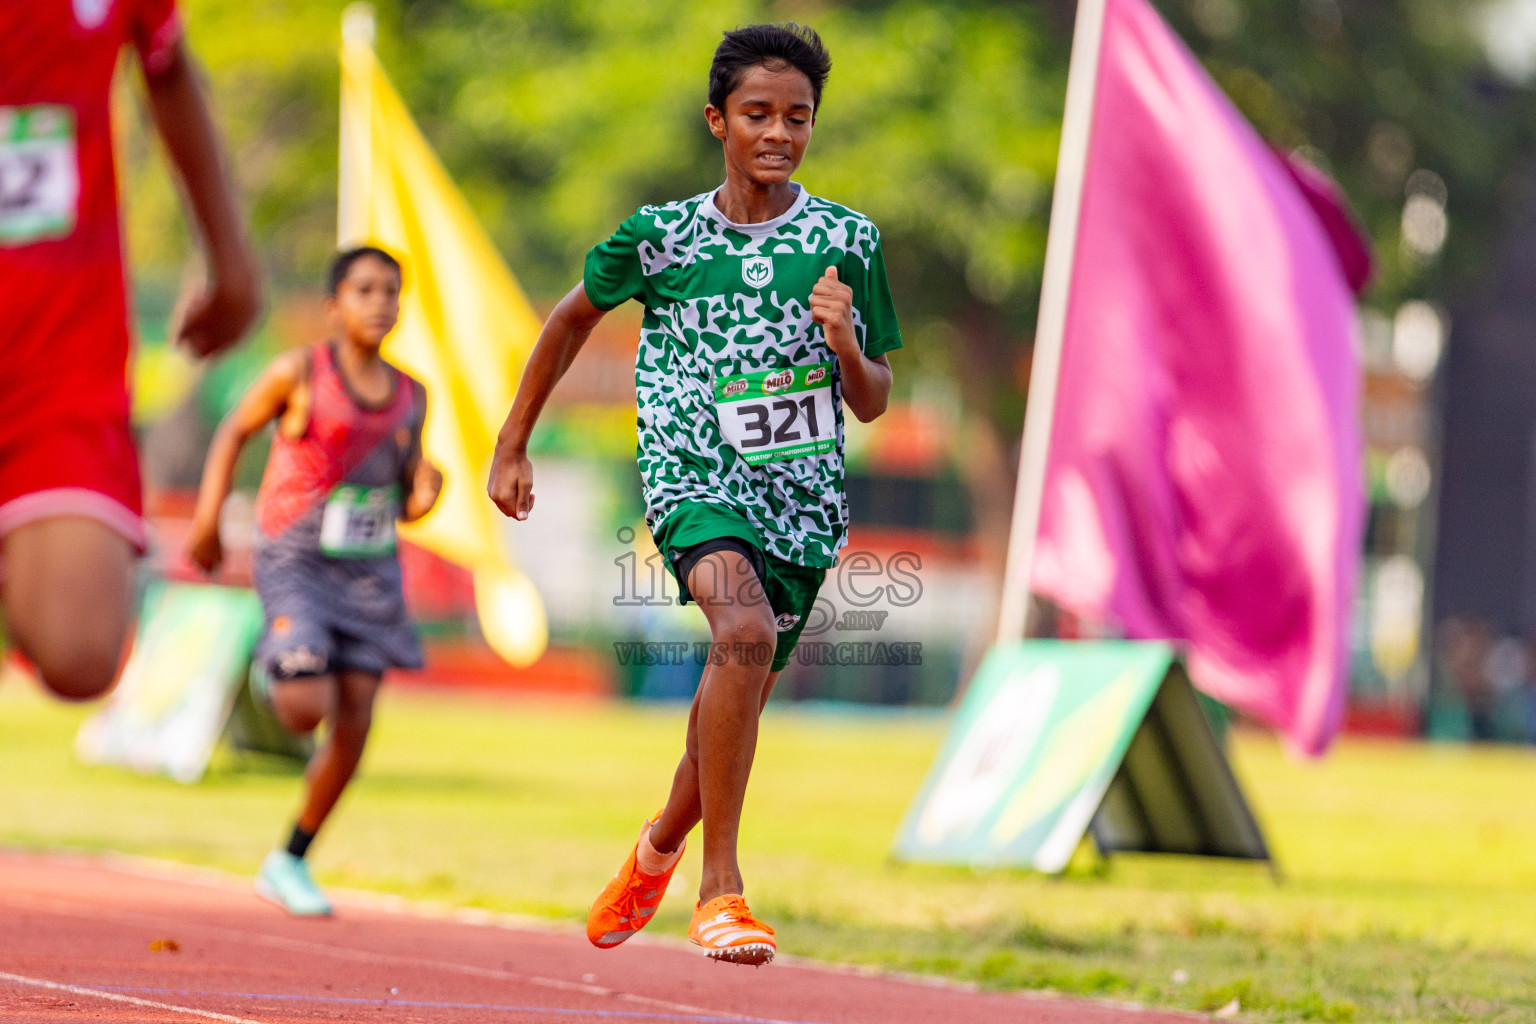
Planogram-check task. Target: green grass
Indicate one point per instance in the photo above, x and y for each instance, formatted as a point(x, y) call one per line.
point(1410, 891)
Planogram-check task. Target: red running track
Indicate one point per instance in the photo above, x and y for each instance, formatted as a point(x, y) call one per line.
point(77, 937)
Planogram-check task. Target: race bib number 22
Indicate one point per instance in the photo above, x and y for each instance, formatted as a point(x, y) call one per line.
point(39, 173)
point(778, 414)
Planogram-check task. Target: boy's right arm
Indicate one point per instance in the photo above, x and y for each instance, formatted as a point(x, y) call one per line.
point(566, 330)
point(264, 402)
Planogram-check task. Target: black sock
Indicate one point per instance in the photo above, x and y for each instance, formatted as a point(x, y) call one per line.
point(298, 843)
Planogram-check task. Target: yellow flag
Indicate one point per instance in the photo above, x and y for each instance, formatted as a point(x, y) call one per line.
point(465, 331)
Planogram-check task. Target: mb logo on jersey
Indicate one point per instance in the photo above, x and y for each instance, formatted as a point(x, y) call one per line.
point(757, 271)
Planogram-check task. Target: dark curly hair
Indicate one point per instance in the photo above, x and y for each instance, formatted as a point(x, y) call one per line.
point(342, 262)
point(771, 46)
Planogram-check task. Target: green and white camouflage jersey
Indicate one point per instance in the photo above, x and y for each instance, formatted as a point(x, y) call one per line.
point(739, 397)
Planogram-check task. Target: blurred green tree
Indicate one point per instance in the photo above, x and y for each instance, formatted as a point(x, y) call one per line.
point(1397, 99)
point(941, 122)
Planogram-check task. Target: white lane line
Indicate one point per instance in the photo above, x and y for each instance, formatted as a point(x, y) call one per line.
point(58, 906)
point(80, 990)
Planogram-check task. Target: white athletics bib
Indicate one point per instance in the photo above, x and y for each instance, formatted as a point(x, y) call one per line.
point(772, 415)
point(39, 173)
point(359, 522)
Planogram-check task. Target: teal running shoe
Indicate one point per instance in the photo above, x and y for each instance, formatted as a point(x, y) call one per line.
point(284, 880)
point(260, 684)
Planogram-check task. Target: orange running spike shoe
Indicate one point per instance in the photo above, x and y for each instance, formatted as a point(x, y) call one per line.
point(726, 930)
point(629, 899)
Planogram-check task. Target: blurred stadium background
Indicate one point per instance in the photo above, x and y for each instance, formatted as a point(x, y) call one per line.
point(942, 122)
point(1410, 866)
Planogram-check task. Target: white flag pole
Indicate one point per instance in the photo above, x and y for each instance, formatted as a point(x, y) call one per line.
point(1055, 289)
point(358, 29)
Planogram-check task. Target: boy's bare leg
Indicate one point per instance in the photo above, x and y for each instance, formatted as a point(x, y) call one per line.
point(722, 727)
point(300, 704)
point(347, 699)
point(683, 810)
point(66, 593)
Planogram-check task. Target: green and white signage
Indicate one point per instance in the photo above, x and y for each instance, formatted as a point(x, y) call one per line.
point(189, 661)
point(1054, 738)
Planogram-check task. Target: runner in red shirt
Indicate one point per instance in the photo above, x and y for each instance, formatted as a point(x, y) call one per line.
point(70, 514)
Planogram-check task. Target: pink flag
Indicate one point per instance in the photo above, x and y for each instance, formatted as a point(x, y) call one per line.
point(1204, 477)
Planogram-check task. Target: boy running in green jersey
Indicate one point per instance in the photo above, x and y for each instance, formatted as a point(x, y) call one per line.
point(766, 310)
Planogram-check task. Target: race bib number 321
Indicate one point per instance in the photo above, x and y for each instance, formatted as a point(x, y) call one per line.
point(39, 173)
point(778, 414)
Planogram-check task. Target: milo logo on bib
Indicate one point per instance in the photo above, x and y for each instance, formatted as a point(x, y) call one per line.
point(779, 381)
point(774, 415)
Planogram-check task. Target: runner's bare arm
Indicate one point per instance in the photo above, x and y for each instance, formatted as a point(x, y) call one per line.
point(264, 402)
point(566, 330)
point(229, 303)
point(422, 481)
point(866, 382)
point(426, 485)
